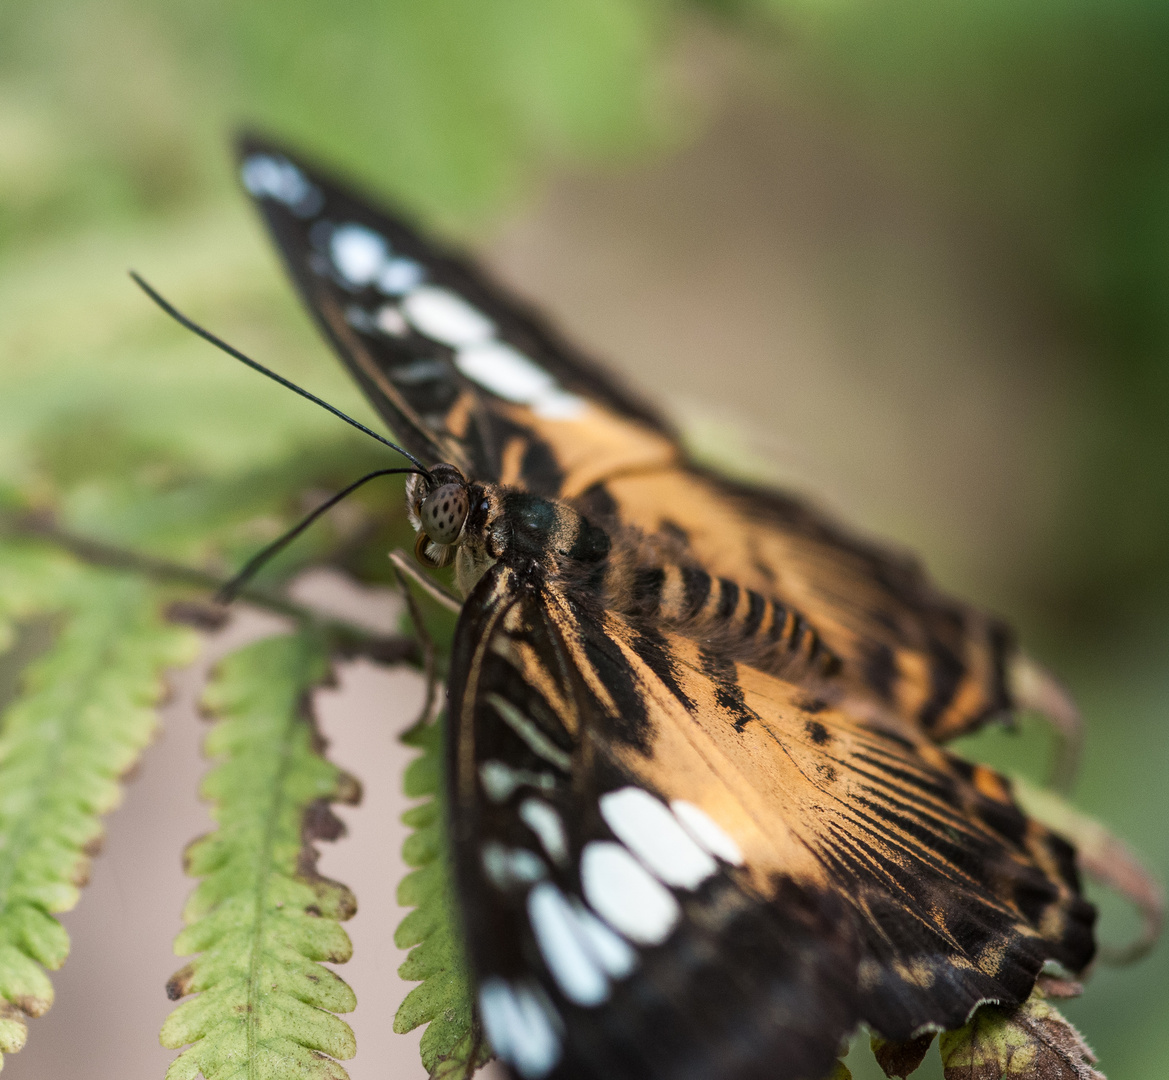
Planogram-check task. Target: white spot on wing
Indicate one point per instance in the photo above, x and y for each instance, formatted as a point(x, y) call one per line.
point(498, 780)
point(277, 178)
point(564, 947)
point(625, 894)
point(399, 276)
point(505, 371)
point(707, 831)
point(442, 315)
point(445, 317)
point(545, 822)
point(389, 320)
point(646, 826)
point(510, 867)
point(612, 951)
point(357, 253)
point(360, 319)
point(558, 405)
point(521, 1027)
point(501, 780)
point(508, 373)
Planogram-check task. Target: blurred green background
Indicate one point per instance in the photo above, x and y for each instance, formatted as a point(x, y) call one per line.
point(912, 257)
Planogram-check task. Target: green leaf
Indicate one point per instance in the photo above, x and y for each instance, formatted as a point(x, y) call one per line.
point(261, 917)
point(1030, 1042)
point(443, 999)
point(458, 99)
point(81, 713)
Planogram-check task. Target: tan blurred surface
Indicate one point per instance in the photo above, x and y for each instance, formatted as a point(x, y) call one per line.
point(794, 302)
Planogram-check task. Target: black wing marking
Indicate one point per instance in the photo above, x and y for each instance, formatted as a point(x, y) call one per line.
point(460, 370)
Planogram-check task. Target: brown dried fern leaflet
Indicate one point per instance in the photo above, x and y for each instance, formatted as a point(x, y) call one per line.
point(1031, 1042)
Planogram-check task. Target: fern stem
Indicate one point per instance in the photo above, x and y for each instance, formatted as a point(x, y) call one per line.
point(263, 871)
point(349, 637)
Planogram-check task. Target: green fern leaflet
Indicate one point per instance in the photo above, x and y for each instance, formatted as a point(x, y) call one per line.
point(261, 919)
point(81, 714)
point(452, 1044)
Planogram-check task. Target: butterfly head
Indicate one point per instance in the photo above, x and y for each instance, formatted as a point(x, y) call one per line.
point(438, 505)
point(474, 525)
point(457, 522)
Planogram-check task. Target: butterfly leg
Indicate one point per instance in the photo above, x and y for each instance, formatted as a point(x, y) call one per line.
point(1112, 864)
point(437, 593)
point(430, 707)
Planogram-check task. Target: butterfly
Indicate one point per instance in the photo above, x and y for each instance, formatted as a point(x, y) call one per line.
point(702, 818)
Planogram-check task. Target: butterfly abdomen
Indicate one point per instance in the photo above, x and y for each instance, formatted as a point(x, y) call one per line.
point(730, 619)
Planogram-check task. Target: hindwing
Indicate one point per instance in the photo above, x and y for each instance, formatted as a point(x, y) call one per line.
point(902, 643)
point(767, 871)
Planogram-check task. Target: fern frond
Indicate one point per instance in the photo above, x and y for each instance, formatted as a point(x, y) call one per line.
point(452, 1045)
point(82, 713)
point(262, 918)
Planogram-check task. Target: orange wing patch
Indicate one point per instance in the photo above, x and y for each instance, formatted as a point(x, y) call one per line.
point(592, 446)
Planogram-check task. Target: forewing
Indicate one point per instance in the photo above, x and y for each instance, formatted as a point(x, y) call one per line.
point(465, 373)
point(460, 370)
point(913, 650)
point(704, 982)
point(768, 871)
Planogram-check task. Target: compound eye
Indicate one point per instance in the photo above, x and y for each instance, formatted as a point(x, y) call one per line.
point(443, 513)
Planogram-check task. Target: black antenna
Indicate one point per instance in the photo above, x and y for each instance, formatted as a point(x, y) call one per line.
point(206, 335)
point(231, 589)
